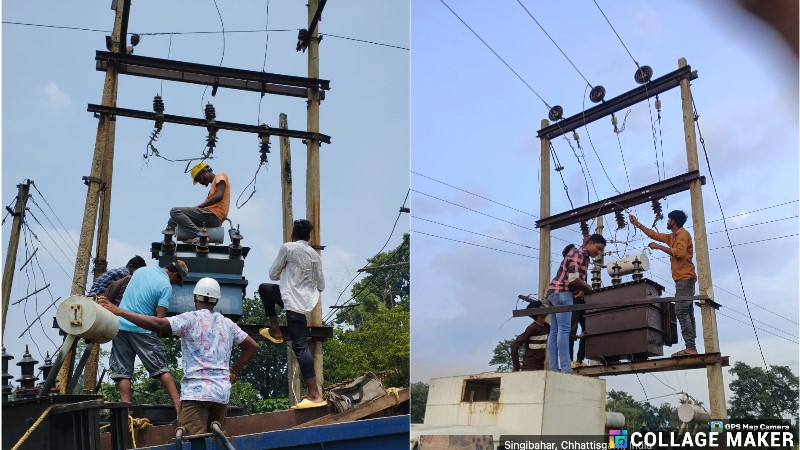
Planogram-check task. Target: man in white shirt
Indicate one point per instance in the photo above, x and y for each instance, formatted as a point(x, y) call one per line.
point(299, 269)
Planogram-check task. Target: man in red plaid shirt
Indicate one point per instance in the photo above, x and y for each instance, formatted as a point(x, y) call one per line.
point(571, 276)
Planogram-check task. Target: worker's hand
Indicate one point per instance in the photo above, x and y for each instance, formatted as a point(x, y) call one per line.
point(653, 246)
point(577, 295)
point(233, 376)
point(634, 221)
point(112, 308)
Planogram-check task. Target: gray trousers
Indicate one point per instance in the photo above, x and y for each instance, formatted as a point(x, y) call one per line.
point(685, 310)
point(192, 219)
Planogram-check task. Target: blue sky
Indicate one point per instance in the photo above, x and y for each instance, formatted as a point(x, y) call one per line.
point(474, 127)
point(49, 77)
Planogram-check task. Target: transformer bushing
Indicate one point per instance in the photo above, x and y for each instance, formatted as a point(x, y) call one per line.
point(637, 270)
point(6, 376)
point(595, 277)
point(168, 245)
point(616, 274)
point(201, 247)
point(235, 249)
point(28, 380)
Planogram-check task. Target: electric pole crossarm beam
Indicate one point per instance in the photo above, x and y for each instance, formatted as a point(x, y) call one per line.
point(645, 194)
point(630, 98)
point(231, 126)
point(212, 71)
point(189, 77)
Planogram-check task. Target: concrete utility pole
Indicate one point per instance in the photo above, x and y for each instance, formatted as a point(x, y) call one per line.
point(13, 244)
point(100, 168)
point(292, 367)
point(716, 385)
point(544, 211)
point(312, 175)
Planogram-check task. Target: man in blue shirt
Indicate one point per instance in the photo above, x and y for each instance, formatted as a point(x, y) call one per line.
point(103, 281)
point(148, 293)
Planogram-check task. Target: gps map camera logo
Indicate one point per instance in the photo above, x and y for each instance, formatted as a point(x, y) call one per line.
point(716, 426)
point(617, 438)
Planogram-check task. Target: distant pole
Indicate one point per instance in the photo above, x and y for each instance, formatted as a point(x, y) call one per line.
point(312, 176)
point(105, 133)
point(292, 367)
point(544, 211)
point(716, 385)
point(13, 244)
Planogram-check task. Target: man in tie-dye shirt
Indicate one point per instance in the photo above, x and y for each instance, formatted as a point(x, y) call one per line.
point(207, 338)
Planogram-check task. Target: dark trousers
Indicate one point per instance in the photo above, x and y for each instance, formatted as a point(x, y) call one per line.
point(298, 327)
point(577, 318)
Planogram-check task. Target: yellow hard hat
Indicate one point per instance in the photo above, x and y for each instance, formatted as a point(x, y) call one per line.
point(197, 169)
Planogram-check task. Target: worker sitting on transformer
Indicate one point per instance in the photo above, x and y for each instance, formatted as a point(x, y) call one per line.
point(207, 338)
point(535, 340)
point(211, 212)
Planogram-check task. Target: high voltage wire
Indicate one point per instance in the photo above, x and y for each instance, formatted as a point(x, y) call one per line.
point(170, 33)
point(473, 232)
point(615, 32)
point(753, 242)
point(470, 243)
point(554, 43)
point(51, 210)
point(496, 54)
point(476, 211)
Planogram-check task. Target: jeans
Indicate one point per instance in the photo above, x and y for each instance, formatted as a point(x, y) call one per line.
point(192, 219)
point(558, 341)
point(684, 311)
point(298, 327)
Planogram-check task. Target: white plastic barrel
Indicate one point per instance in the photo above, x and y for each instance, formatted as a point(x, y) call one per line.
point(216, 235)
point(82, 317)
point(626, 264)
point(614, 420)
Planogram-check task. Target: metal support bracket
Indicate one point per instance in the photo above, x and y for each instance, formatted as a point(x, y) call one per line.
point(168, 118)
point(630, 98)
point(90, 179)
point(620, 202)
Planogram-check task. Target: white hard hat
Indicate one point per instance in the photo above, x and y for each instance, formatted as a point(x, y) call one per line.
point(208, 290)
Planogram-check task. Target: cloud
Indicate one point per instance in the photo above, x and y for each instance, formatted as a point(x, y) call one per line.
point(56, 99)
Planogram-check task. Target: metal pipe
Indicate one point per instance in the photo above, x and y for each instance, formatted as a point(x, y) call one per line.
point(65, 348)
point(216, 428)
point(179, 432)
point(85, 357)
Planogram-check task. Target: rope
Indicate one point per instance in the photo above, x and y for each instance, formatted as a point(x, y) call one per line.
point(33, 427)
point(137, 424)
point(395, 392)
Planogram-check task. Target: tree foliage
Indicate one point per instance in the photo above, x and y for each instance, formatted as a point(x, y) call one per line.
point(763, 394)
point(419, 400)
point(374, 335)
point(502, 355)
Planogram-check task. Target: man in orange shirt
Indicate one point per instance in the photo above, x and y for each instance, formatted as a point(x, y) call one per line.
point(679, 248)
point(212, 211)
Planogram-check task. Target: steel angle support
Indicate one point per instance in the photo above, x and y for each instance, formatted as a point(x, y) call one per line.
point(620, 202)
point(248, 80)
point(608, 107)
point(593, 306)
point(231, 126)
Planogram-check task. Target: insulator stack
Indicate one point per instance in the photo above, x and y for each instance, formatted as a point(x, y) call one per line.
point(264, 146)
point(621, 223)
point(235, 249)
point(556, 113)
point(597, 94)
point(584, 228)
point(28, 380)
point(643, 74)
point(47, 366)
point(616, 274)
point(596, 277)
point(168, 245)
point(158, 108)
point(135, 38)
point(201, 247)
point(637, 269)
point(6, 376)
point(211, 140)
point(657, 211)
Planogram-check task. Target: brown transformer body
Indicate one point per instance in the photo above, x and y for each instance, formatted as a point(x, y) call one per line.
point(629, 332)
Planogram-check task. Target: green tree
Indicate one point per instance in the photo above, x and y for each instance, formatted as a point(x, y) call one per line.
point(266, 373)
point(763, 394)
point(639, 413)
point(419, 399)
point(373, 334)
point(502, 355)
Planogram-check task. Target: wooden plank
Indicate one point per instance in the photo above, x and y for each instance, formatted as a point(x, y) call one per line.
point(379, 404)
point(700, 361)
